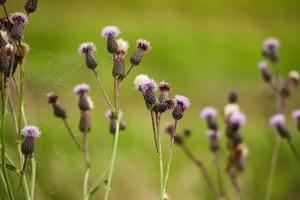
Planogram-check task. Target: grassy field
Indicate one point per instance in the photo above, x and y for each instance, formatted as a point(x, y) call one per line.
point(203, 48)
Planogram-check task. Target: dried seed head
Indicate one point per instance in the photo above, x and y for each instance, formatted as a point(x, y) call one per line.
point(122, 45)
point(277, 120)
point(31, 131)
point(87, 48)
point(294, 77)
point(208, 112)
point(140, 80)
point(241, 154)
point(81, 89)
point(143, 45)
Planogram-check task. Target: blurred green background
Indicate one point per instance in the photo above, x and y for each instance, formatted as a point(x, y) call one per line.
point(203, 48)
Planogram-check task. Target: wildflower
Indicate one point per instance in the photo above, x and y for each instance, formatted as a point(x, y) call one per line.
point(209, 114)
point(263, 66)
point(85, 102)
point(181, 104)
point(142, 46)
point(29, 132)
point(58, 110)
point(213, 136)
point(19, 20)
point(270, 49)
point(148, 88)
point(87, 49)
point(110, 32)
point(296, 117)
point(163, 102)
point(278, 121)
point(30, 6)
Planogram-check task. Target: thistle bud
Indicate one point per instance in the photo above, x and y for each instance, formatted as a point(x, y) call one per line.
point(164, 88)
point(30, 6)
point(148, 88)
point(270, 49)
point(187, 132)
point(296, 117)
point(233, 97)
point(58, 110)
point(160, 107)
point(181, 104)
point(85, 103)
point(142, 47)
point(110, 32)
point(87, 49)
point(178, 139)
point(19, 20)
point(278, 121)
point(118, 70)
point(214, 140)
point(235, 121)
point(209, 114)
point(85, 122)
point(29, 132)
point(263, 66)
point(170, 129)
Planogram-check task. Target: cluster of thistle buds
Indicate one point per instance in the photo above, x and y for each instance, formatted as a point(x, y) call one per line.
point(179, 137)
point(109, 115)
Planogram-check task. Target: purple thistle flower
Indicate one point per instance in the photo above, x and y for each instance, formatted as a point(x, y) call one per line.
point(277, 120)
point(86, 48)
point(208, 112)
point(184, 101)
point(263, 65)
point(271, 44)
point(81, 88)
point(237, 118)
point(296, 115)
point(144, 45)
point(31, 131)
point(110, 31)
point(139, 80)
point(149, 85)
point(19, 18)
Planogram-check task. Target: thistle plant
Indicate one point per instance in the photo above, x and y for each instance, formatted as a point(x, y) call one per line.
point(118, 49)
point(282, 89)
point(13, 51)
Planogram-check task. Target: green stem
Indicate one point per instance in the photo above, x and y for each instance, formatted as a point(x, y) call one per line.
point(71, 134)
point(235, 184)
point(129, 70)
point(154, 131)
point(33, 174)
point(219, 175)
point(87, 166)
point(103, 90)
point(171, 148)
point(113, 158)
point(3, 111)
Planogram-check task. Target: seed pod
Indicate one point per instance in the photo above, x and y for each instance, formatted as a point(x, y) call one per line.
point(177, 113)
point(28, 147)
point(122, 126)
point(90, 61)
point(85, 122)
point(30, 6)
point(59, 111)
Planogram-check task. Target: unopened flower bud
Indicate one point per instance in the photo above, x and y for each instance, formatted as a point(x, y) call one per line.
point(19, 20)
point(270, 49)
point(149, 87)
point(209, 114)
point(85, 122)
point(170, 129)
point(178, 139)
point(278, 121)
point(181, 104)
point(233, 97)
point(187, 132)
point(110, 32)
point(263, 66)
point(87, 49)
point(160, 107)
point(214, 140)
point(30, 6)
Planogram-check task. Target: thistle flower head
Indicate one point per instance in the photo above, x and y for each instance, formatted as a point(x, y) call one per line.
point(262, 65)
point(208, 112)
point(164, 86)
point(140, 79)
point(86, 48)
point(231, 108)
point(31, 131)
point(81, 88)
point(182, 100)
point(122, 45)
point(52, 97)
point(238, 118)
point(149, 85)
point(277, 120)
point(19, 18)
point(271, 44)
point(109, 31)
point(143, 45)
point(296, 114)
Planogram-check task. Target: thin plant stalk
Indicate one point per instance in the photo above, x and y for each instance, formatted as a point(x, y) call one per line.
point(235, 184)
point(3, 160)
point(219, 176)
point(202, 169)
point(113, 158)
point(87, 166)
point(129, 70)
point(171, 149)
point(154, 131)
point(103, 90)
point(72, 134)
point(33, 174)
point(160, 157)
